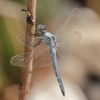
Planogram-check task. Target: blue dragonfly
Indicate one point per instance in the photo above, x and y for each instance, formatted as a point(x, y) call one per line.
point(64, 42)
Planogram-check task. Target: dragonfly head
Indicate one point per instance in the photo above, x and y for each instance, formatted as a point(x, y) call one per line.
point(41, 29)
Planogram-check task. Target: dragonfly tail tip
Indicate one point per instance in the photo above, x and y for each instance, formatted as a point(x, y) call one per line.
point(63, 93)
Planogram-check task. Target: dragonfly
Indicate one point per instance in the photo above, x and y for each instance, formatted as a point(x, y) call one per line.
point(64, 42)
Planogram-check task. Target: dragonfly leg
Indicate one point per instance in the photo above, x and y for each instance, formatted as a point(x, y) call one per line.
point(35, 35)
point(28, 43)
point(38, 43)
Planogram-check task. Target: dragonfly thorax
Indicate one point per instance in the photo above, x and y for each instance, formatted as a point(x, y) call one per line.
point(49, 39)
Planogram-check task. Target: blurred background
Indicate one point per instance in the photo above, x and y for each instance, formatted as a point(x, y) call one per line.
point(80, 72)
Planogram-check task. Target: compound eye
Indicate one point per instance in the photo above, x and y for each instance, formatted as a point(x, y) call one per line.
point(45, 27)
point(40, 28)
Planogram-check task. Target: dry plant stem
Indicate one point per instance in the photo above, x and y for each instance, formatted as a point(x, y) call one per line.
point(27, 73)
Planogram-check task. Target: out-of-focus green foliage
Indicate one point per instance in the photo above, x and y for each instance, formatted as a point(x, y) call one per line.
point(11, 24)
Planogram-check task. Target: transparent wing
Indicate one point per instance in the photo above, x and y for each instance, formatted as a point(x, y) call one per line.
point(68, 28)
point(20, 60)
point(41, 58)
point(22, 39)
point(66, 47)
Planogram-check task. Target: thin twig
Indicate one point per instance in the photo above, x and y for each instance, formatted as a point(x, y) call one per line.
point(26, 79)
